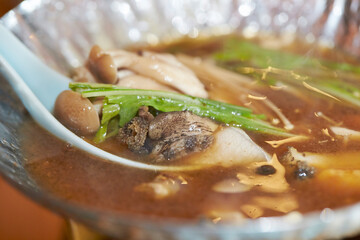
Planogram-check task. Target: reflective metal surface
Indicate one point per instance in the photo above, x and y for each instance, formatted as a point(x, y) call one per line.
point(61, 33)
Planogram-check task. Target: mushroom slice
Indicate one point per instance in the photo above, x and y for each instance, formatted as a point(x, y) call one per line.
point(124, 73)
point(161, 67)
point(102, 65)
point(168, 59)
point(165, 69)
point(141, 82)
point(83, 74)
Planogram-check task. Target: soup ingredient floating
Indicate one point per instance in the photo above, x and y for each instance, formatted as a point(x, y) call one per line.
point(122, 105)
point(335, 80)
point(156, 105)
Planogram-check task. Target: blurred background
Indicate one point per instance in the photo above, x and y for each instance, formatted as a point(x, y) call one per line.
point(6, 5)
point(20, 218)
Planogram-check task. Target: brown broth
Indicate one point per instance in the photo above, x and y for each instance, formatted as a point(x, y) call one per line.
point(86, 180)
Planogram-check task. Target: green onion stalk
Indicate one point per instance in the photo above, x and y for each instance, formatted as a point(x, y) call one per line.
point(120, 105)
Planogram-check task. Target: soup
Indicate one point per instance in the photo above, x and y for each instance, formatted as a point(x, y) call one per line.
point(280, 126)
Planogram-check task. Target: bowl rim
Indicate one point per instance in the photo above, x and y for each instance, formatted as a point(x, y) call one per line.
point(312, 220)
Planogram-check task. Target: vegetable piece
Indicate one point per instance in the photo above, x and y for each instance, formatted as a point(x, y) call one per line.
point(338, 79)
point(130, 100)
point(163, 186)
point(273, 183)
point(76, 113)
point(109, 112)
point(243, 52)
point(337, 160)
point(102, 65)
point(231, 146)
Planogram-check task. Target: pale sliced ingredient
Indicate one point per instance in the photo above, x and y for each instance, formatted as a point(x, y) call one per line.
point(163, 68)
point(241, 85)
point(164, 185)
point(282, 204)
point(123, 73)
point(274, 182)
point(231, 185)
point(341, 169)
point(226, 216)
point(347, 133)
point(278, 143)
point(253, 211)
point(338, 160)
point(141, 82)
point(83, 74)
point(112, 66)
point(206, 70)
point(231, 146)
point(167, 58)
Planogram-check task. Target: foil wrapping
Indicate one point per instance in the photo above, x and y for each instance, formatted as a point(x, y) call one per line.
point(61, 32)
